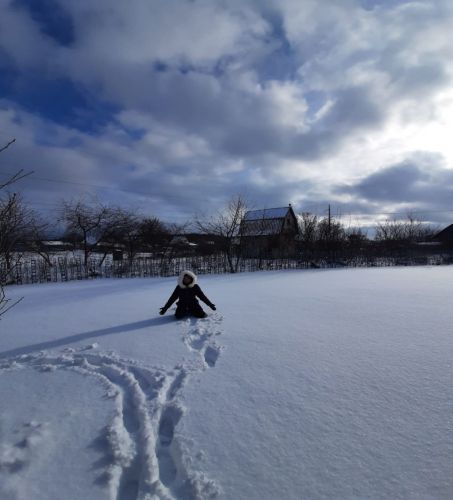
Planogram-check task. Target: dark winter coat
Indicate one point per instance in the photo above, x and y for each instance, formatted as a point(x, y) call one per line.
point(187, 295)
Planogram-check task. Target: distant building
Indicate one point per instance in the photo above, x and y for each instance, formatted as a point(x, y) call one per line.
point(182, 246)
point(207, 244)
point(445, 236)
point(270, 232)
point(55, 245)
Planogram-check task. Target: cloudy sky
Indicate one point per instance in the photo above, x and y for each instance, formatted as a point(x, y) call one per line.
point(174, 106)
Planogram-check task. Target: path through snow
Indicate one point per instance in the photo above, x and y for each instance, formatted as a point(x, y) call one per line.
point(144, 459)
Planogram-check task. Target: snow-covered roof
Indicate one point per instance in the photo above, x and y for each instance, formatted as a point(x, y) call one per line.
point(55, 243)
point(266, 222)
point(182, 240)
point(267, 213)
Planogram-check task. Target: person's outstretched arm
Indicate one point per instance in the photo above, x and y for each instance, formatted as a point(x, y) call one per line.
point(170, 301)
point(203, 297)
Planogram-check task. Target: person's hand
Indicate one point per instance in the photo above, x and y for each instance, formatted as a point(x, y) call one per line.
point(162, 311)
point(213, 307)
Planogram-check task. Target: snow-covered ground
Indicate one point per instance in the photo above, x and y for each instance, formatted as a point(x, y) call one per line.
point(303, 384)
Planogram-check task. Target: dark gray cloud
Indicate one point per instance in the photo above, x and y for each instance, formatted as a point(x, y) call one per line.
point(353, 108)
point(398, 183)
point(422, 184)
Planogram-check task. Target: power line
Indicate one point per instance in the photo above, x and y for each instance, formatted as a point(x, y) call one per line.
point(402, 212)
point(85, 184)
point(405, 213)
point(45, 179)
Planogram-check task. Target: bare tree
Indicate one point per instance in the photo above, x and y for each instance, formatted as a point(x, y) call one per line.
point(170, 245)
point(357, 244)
point(308, 226)
point(390, 230)
point(92, 223)
point(226, 225)
point(36, 240)
point(308, 233)
point(126, 231)
point(19, 226)
point(409, 230)
point(399, 238)
point(16, 226)
point(331, 237)
point(417, 231)
point(6, 208)
point(154, 234)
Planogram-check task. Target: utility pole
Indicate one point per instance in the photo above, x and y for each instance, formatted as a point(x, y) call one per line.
point(329, 219)
point(329, 237)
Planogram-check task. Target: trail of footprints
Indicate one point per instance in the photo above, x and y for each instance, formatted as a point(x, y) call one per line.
point(201, 337)
point(142, 459)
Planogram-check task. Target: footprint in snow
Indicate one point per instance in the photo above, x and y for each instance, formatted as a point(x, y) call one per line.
point(142, 455)
point(200, 337)
point(14, 457)
point(211, 355)
point(169, 420)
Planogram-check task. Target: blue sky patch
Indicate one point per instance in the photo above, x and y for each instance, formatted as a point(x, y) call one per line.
point(58, 100)
point(52, 19)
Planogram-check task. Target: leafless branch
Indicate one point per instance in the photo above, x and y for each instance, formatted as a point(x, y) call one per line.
point(4, 302)
point(16, 177)
point(12, 141)
point(10, 213)
point(226, 225)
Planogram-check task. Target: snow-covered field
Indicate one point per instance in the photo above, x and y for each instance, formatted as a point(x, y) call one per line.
point(302, 385)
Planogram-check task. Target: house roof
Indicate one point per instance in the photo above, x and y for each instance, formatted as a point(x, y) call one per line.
point(446, 234)
point(266, 222)
point(267, 213)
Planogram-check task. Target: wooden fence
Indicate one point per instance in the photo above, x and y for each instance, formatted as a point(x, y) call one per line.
point(68, 269)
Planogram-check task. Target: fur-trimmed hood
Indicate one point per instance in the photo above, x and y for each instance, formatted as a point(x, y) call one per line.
point(189, 273)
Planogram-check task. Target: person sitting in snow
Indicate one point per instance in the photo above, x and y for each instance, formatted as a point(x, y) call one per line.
point(187, 292)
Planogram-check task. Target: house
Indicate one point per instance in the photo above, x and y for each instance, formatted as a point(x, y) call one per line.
point(182, 246)
point(53, 245)
point(445, 236)
point(207, 244)
point(270, 232)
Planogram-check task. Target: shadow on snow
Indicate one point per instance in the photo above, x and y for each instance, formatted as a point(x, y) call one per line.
point(52, 344)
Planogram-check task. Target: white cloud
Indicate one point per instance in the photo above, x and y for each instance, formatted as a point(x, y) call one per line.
point(175, 31)
point(21, 39)
point(364, 89)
